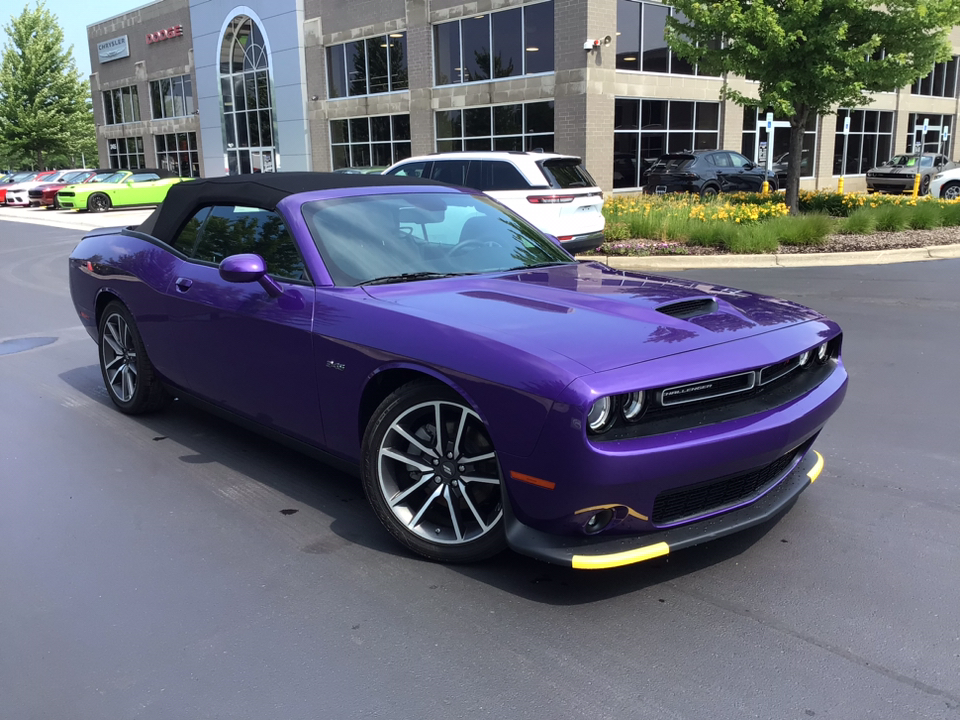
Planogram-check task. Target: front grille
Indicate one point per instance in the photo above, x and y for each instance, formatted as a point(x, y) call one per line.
point(36, 194)
point(713, 495)
point(706, 389)
point(774, 372)
point(65, 194)
point(689, 308)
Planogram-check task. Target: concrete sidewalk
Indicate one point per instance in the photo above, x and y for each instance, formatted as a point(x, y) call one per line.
point(72, 220)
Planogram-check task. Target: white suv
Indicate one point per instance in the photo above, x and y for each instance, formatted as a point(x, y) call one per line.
point(553, 192)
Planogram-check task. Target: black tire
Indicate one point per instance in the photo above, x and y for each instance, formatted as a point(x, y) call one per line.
point(709, 191)
point(128, 375)
point(924, 185)
point(428, 504)
point(98, 202)
point(950, 191)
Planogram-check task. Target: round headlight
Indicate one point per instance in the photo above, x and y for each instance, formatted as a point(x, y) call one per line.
point(632, 405)
point(805, 357)
point(599, 414)
point(822, 353)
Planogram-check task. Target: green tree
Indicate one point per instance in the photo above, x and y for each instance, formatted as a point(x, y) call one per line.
point(811, 56)
point(44, 106)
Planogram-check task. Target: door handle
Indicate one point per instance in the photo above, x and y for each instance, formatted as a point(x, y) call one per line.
point(184, 284)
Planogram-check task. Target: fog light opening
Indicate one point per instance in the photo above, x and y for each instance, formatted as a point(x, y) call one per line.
point(598, 521)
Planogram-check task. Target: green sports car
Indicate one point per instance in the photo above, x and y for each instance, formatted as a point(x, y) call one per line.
point(125, 188)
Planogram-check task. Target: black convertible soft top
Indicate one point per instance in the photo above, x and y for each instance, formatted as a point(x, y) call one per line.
point(263, 190)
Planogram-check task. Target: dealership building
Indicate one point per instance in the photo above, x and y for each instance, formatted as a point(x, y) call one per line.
point(210, 87)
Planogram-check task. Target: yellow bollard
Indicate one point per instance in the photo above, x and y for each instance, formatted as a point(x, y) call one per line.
point(916, 186)
point(840, 186)
point(766, 188)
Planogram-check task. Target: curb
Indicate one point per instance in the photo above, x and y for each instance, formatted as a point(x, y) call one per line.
point(694, 262)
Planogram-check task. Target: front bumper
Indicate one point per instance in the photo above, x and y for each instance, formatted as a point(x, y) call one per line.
point(602, 552)
point(896, 186)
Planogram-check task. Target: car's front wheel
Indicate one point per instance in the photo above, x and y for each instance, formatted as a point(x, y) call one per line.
point(128, 374)
point(431, 473)
point(950, 191)
point(98, 202)
point(924, 185)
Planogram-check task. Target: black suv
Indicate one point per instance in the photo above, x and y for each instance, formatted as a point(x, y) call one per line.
point(706, 172)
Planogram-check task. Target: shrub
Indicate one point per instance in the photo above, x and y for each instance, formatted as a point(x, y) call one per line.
point(811, 229)
point(753, 239)
point(859, 222)
point(891, 218)
point(925, 216)
point(950, 214)
point(616, 231)
point(714, 234)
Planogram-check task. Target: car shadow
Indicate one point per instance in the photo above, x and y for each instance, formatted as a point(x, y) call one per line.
point(339, 495)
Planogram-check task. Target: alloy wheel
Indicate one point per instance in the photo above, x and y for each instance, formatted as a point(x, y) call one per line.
point(438, 473)
point(119, 358)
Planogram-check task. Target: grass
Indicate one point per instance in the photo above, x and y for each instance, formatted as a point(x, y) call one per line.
point(859, 222)
point(891, 218)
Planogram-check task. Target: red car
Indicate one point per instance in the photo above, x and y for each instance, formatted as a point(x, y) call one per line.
point(46, 194)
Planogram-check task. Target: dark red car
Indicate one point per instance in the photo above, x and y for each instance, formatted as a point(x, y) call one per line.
point(46, 194)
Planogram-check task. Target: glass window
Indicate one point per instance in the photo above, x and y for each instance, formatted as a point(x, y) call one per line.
point(248, 101)
point(867, 144)
point(187, 239)
point(515, 127)
point(538, 38)
point(655, 51)
point(121, 105)
point(646, 129)
point(941, 82)
point(522, 43)
point(378, 70)
point(499, 175)
point(475, 41)
point(398, 61)
point(336, 72)
point(377, 141)
point(230, 230)
point(126, 153)
point(177, 152)
point(628, 34)
point(641, 44)
point(356, 68)
point(507, 43)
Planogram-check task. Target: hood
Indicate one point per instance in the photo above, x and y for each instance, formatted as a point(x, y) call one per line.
point(599, 317)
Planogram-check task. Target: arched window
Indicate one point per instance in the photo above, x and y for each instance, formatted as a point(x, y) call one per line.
point(247, 99)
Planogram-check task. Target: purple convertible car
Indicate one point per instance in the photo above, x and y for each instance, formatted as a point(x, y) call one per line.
point(490, 390)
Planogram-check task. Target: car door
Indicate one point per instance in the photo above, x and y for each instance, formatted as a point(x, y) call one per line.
point(745, 176)
point(243, 350)
point(139, 189)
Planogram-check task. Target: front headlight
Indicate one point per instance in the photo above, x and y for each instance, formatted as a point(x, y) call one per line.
point(938, 176)
point(600, 413)
point(822, 353)
point(805, 357)
point(632, 405)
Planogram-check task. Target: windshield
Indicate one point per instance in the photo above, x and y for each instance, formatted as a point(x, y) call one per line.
point(409, 236)
point(911, 161)
point(114, 178)
point(102, 177)
point(73, 177)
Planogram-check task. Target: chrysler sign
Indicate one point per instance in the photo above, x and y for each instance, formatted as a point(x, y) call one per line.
point(113, 49)
point(171, 32)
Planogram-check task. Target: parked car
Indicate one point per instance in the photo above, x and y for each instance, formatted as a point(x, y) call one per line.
point(18, 194)
point(125, 188)
point(14, 193)
point(781, 166)
point(897, 174)
point(706, 173)
point(45, 194)
point(554, 192)
point(490, 390)
point(946, 185)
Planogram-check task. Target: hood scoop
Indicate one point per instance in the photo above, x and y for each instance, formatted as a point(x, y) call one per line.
point(686, 309)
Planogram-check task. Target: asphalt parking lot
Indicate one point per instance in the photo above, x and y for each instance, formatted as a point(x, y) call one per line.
point(147, 569)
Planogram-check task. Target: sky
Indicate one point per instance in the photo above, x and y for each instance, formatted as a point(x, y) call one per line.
point(73, 16)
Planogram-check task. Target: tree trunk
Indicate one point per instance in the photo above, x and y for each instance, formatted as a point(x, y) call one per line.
point(798, 124)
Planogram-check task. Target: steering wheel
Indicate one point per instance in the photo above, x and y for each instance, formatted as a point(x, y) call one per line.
point(466, 246)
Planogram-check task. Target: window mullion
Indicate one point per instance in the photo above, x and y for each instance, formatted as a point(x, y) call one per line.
point(460, 42)
point(386, 41)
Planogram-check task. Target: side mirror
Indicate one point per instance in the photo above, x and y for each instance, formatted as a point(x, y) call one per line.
point(749, 166)
point(247, 268)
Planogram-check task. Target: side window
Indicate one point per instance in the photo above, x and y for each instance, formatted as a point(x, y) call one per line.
point(187, 239)
point(738, 161)
point(720, 159)
point(230, 230)
point(499, 175)
point(452, 172)
point(143, 177)
point(414, 169)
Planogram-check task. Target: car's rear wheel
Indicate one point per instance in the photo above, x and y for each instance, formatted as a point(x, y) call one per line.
point(709, 191)
point(950, 191)
point(431, 474)
point(128, 374)
point(98, 202)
